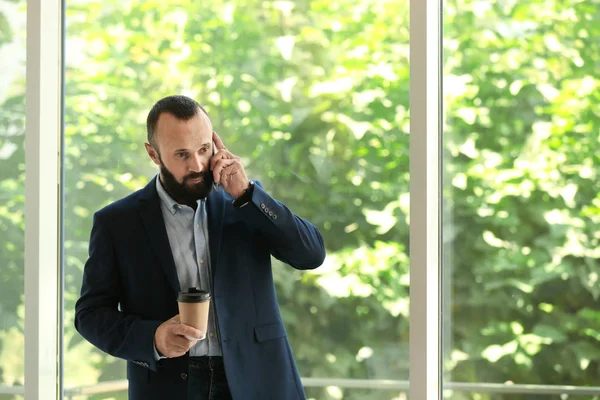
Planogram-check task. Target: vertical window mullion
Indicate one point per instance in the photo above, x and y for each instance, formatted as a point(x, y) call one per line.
point(42, 155)
point(425, 199)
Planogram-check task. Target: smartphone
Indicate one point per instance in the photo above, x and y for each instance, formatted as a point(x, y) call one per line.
point(214, 151)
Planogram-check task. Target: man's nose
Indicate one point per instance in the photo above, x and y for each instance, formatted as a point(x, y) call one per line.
point(196, 164)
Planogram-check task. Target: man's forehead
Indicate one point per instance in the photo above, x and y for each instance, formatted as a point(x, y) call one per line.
point(172, 129)
point(205, 118)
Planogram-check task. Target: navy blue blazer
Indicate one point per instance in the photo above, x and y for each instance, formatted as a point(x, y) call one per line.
point(130, 287)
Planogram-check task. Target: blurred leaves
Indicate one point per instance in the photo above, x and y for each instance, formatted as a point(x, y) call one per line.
point(314, 96)
point(521, 144)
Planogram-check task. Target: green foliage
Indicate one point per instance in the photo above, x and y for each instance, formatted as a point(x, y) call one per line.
point(314, 96)
point(316, 137)
point(520, 188)
point(12, 209)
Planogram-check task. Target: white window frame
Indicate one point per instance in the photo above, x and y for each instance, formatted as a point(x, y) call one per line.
point(42, 180)
point(425, 199)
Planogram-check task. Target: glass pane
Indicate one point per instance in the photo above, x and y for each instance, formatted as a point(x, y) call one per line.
point(313, 95)
point(521, 200)
point(12, 196)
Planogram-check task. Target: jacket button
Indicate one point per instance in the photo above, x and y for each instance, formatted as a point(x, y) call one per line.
point(183, 376)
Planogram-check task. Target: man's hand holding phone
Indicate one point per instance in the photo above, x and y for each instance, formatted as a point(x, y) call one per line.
point(228, 170)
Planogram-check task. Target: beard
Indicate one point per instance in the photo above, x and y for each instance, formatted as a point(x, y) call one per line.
point(187, 192)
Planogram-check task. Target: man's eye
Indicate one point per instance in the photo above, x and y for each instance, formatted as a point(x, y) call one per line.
point(182, 155)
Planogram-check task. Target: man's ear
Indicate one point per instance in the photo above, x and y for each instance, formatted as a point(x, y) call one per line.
point(152, 153)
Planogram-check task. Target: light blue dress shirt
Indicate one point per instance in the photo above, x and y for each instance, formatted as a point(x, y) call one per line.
point(187, 230)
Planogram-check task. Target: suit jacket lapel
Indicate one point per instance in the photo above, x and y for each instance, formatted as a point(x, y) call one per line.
point(215, 209)
point(153, 222)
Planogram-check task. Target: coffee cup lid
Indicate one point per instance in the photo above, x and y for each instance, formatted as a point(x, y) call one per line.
point(193, 295)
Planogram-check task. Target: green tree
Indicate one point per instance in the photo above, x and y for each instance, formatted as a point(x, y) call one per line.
point(12, 207)
point(314, 96)
point(521, 194)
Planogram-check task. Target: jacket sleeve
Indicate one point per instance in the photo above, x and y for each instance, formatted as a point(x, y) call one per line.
point(292, 239)
point(97, 316)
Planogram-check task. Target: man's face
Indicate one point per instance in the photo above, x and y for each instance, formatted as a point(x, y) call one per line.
point(183, 151)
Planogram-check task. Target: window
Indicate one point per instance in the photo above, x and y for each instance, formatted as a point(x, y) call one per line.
point(12, 194)
point(314, 95)
point(316, 103)
point(521, 205)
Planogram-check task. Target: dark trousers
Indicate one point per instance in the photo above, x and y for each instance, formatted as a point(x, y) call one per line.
point(207, 380)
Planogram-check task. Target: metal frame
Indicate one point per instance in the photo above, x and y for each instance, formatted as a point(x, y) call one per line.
point(42, 173)
point(373, 384)
point(425, 203)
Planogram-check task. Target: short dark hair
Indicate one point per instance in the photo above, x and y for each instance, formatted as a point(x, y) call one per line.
point(182, 107)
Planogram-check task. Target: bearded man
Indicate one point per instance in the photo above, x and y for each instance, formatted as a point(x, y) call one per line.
point(200, 223)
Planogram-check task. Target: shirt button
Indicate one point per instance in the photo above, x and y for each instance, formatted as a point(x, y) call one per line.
point(197, 225)
point(183, 376)
point(201, 261)
point(212, 334)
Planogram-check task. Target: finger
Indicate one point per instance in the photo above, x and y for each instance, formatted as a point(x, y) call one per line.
point(224, 169)
point(177, 345)
point(182, 344)
point(218, 169)
point(221, 155)
point(218, 142)
point(175, 349)
point(186, 330)
point(228, 172)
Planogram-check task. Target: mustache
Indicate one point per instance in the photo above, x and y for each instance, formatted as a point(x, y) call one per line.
point(206, 175)
point(196, 176)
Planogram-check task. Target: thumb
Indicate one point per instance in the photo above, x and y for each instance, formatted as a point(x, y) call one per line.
point(188, 331)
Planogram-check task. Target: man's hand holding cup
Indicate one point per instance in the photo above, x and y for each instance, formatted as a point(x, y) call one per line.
point(171, 338)
point(175, 337)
